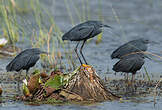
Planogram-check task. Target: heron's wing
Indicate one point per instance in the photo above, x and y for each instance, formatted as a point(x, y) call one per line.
point(18, 62)
point(123, 65)
point(24, 52)
point(80, 33)
point(128, 48)
point(32, 61)
point(138, 64)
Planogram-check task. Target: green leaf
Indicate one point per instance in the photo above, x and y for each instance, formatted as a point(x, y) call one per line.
point(60, 80)
point(55, 82)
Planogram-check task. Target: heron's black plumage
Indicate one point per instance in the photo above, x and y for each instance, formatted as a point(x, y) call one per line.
point(24, 60)
point(130, 47)
point(83, 32)
point(129, 64)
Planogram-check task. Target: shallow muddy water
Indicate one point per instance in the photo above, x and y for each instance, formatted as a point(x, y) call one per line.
point(138, 18)
point(137, 104)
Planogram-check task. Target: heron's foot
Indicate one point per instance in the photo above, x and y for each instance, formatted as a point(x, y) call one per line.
point(129, 83)
point(87, 66)
point(90, 71)
point(133, 86)
point(130, 86)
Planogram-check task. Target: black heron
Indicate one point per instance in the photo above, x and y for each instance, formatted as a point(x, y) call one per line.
point(130, 64)
point(133, 46)
point(25, 60)
point(82, 32)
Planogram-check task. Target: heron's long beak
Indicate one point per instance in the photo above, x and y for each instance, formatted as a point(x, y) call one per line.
point(43, 52)
point(104, 25)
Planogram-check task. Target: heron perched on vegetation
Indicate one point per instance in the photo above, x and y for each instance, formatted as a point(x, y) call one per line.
point(25, 60)
point(133, 46)
point(82, 32)
point(129, 64)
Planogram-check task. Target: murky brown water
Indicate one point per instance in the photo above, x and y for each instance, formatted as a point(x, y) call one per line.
point(138, 18)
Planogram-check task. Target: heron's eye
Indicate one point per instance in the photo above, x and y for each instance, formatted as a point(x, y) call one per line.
point(146, 41)
point(101, 25)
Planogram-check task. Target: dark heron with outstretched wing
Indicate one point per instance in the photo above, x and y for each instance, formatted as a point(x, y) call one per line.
point(130, 64)
point(25, 60)
point(133, 46)
point(82, 32)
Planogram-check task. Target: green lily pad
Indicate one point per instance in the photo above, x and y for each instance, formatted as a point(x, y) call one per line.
point(60, 80)
point(55, 82)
